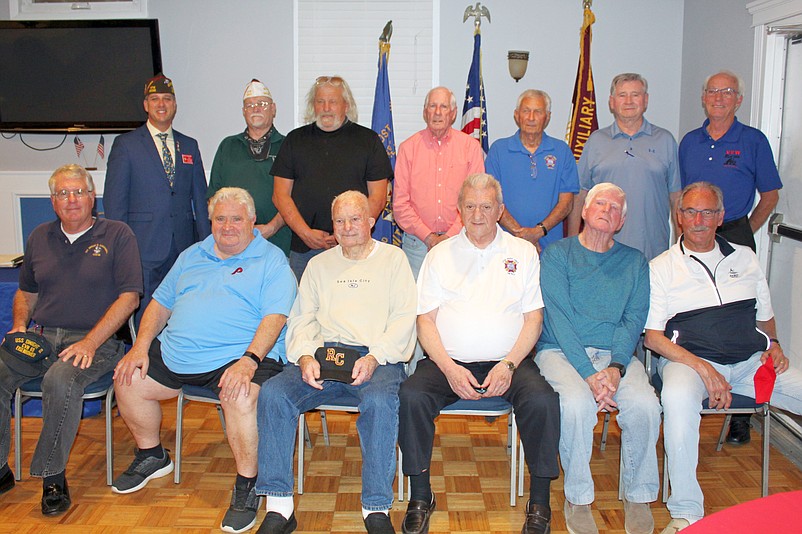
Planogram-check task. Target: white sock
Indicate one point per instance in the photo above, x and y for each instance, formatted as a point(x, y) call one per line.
point(366, 513)
point(281, 505)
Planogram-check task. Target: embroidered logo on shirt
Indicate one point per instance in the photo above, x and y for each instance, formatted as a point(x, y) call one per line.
point(186, 158)
point(96, 250)
point(237, 270)
point(511, 265)
point(551, 161)
point(734, 274)
point(731, 158)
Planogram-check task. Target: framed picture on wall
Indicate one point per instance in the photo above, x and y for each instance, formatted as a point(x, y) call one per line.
point(64, 9)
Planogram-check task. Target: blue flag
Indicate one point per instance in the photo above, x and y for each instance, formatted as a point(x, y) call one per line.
point(474, 110)
point(382, 123)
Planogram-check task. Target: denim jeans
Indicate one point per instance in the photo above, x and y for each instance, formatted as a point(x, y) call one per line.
point(638, 417)
point(285, 396)
point(62, 388)
point(682, 396)
point(298, 261)
point(415, 250)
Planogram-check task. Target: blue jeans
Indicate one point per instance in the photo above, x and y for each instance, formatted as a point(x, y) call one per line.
point(682, 396)
point(63, 386)
point(416, 250)
point(298, 261)
point(285, 396)
point(638, 417)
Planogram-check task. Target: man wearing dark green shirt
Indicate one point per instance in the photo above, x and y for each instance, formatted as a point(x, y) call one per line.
point(246, 159)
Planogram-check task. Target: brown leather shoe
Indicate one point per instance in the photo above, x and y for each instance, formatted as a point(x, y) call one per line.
point(416, 520)
point(538, 519)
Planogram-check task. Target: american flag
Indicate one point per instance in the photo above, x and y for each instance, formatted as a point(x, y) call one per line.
point(474, 111)
point(101, 147)
point(79, 146)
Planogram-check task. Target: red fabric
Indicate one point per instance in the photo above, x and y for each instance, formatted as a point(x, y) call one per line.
point(770, 515)
point(764, 381)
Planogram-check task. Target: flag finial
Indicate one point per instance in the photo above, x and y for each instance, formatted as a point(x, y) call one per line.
point(477, 12)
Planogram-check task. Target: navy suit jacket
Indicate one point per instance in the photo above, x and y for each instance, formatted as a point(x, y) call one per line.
point(137, 192)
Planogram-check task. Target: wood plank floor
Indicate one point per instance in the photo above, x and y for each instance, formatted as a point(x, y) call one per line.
point(470, 474)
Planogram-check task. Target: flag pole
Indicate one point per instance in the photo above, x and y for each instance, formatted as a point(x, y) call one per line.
point(474, 110)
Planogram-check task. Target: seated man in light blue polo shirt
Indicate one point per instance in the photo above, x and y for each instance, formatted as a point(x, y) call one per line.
point(216, 321)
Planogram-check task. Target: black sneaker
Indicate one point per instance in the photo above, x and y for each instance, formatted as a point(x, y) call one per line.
point(241, 515)
point(379, 523)
point(141, 471)
point(274, 523)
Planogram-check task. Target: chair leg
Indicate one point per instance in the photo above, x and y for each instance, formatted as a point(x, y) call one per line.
point(325, 427)
point(109, 436)
point(621, 473)
point(512, 441)
point(400, 476)
point(18, 435)
point(300, 451)
point(179, 431)
point(307, 436)
point(766, 449)
point(222, 417)
point(665, 476)
point(723, 433)
point(521, 463)
point(605, 428)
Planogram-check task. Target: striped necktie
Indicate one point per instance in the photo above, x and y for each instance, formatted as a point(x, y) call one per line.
point(167, 158)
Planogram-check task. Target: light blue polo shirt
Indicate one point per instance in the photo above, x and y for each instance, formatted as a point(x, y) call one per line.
point(216, 305)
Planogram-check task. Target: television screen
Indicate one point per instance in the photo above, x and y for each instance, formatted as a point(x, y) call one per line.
point(79, 75)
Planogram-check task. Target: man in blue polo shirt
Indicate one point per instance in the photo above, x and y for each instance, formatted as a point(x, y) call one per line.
point(222, 308)
point(738, 159)
point(536, 172)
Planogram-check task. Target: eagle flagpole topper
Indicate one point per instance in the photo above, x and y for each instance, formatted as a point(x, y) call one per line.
point(474, 110)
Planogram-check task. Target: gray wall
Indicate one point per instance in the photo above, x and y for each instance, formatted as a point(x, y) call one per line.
point(716, 35)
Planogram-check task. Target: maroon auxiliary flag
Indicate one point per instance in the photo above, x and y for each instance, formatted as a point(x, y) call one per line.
point(583, 117)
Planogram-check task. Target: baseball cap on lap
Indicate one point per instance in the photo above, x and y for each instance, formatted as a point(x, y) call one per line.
point(26, 353)
point(337, 363)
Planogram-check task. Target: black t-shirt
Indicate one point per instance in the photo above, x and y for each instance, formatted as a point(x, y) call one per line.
point(325, 164)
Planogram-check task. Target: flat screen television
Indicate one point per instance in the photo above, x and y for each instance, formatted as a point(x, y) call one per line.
point(76, 75)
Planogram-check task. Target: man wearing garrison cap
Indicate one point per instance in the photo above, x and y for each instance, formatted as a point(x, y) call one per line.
point(245, 160)
point(155, 183)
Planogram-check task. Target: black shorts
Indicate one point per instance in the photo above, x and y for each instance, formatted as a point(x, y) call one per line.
point(159, 372)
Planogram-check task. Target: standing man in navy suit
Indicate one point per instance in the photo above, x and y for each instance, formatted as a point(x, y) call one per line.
point(155, 183)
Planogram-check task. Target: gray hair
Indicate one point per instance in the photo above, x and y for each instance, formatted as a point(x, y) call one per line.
point(356, 197)
point(603, 187)
point(233, 194)
point(334, 81)
point(480, 181)
point(729, 73)
point(629, 77)
point(707, 186)
point(535, 93)
point(71, 170)
point(453, 100)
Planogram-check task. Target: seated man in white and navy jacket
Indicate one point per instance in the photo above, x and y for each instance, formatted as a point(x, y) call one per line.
point(711, 320)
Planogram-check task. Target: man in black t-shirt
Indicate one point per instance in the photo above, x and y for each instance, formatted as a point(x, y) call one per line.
point(328, 156)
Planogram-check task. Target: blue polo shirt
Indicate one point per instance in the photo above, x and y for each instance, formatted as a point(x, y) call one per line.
point(532, 183)
point(740, 162)
point(216, 305)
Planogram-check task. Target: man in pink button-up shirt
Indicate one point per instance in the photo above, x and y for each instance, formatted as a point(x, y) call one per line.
point(431, 166)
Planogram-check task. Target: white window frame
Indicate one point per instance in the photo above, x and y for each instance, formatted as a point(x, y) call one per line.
point(44, 9)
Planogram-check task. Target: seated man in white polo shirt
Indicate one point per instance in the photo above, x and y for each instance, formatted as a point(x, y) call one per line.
point(480, 313)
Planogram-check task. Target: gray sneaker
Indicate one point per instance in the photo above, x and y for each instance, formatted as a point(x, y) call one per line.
point(241, 515)
point(141, 471)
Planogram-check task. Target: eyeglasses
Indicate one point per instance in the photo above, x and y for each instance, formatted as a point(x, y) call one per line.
point(257, 105)
point(331, 80)
point(532, 166)
point(726, 92)
point(690, 213)
point(64, 194)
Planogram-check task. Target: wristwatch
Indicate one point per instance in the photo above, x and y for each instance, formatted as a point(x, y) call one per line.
point(509, 364)
point(252, 356)
point(620, 367)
